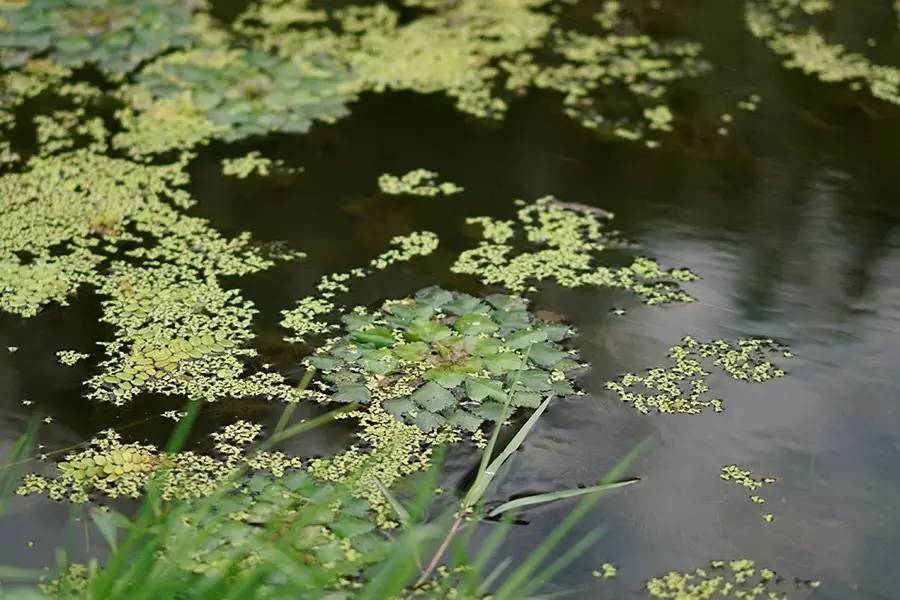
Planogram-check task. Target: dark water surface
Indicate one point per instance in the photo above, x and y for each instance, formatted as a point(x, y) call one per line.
point(792, 220)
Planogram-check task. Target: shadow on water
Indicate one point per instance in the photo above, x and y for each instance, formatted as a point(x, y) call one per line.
point(792, 220)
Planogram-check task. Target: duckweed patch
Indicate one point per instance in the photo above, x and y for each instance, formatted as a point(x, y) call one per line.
point(71, 357)
point(725, 579)
point(481, 54)
point(309, 316)
point(177, 330)
point(744, 478)
point(682, 388)
point(418, 182)
point(112, 468)
point(783, 25)
point(559, 242)
point(386, 451)
point(244, 166)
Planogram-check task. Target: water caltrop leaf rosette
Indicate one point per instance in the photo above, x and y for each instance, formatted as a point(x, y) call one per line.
point(238, 92)
point(445, 358)
point(113, 35)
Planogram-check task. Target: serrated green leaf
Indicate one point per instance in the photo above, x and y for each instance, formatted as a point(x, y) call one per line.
point(525, 338)
point(427, 331)
point(352, 392)
point(545, 354)
point(428, 421)
point(376, 336)
point(445, 377)
point(465, 420)
point(474, 323)
point(433, 397)
point(504, 362)
point(478, 389)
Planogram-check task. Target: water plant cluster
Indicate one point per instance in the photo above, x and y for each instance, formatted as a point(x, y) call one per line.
point(740, 578)
point(787, 28)
point(113, 468)
point(682, 388)
point(560, 242)
point(101, 206)
point(418, 182)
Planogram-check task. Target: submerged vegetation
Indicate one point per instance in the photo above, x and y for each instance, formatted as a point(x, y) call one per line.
point(99, 205)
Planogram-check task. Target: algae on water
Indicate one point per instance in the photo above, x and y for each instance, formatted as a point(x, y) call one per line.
point(418, 182)
point(682, 387)
point(560, 242)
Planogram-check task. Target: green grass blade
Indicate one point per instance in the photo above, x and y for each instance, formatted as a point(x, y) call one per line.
point(558, 495)
point(511, 588)
point(485, 477)
point(579, 548)
point(396, 505)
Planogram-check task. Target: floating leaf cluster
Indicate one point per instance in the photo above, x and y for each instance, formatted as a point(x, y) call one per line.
point(744, 478)
point(445, 358)
point(682, 387)
point(783, 24)
point(561, 242)
point(114, 35)
point(113, 468)
point(64, 223)
point(230, 93)
point(732, 579)
point(482, 53)
point(70, 357)
point(327, 526)
point(386, 451)
point(243, 166)
point(309, 314)
point(418, 182)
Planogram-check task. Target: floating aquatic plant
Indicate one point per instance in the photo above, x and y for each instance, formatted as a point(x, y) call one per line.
point(783, 24)
point(482, 53)
point(724, 579)
point(243, 166)
point(418, 182)
point(327, 527)
point(113, 468)
point(114, 35)
point(444, 358)
point(682, 387)
point(308, 317)
point(386, 451)
point(561, 242)
point(177, 330)
point(71, 357)
point(744, 478)
point(230, 93)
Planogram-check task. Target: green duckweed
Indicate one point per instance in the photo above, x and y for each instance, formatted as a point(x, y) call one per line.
point(740, 578)
point(177, 330)
point(112, 468)
point(243, 166)
point(70, 357)
point(682, 388)
point(783, 25)
point(481, 54)
point(308, 317)
point(418, 182)
point(562, 242)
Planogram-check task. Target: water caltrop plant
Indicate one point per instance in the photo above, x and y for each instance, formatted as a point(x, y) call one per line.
point(447, 358)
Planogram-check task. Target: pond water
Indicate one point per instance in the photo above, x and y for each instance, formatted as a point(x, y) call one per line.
point(792, 220)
